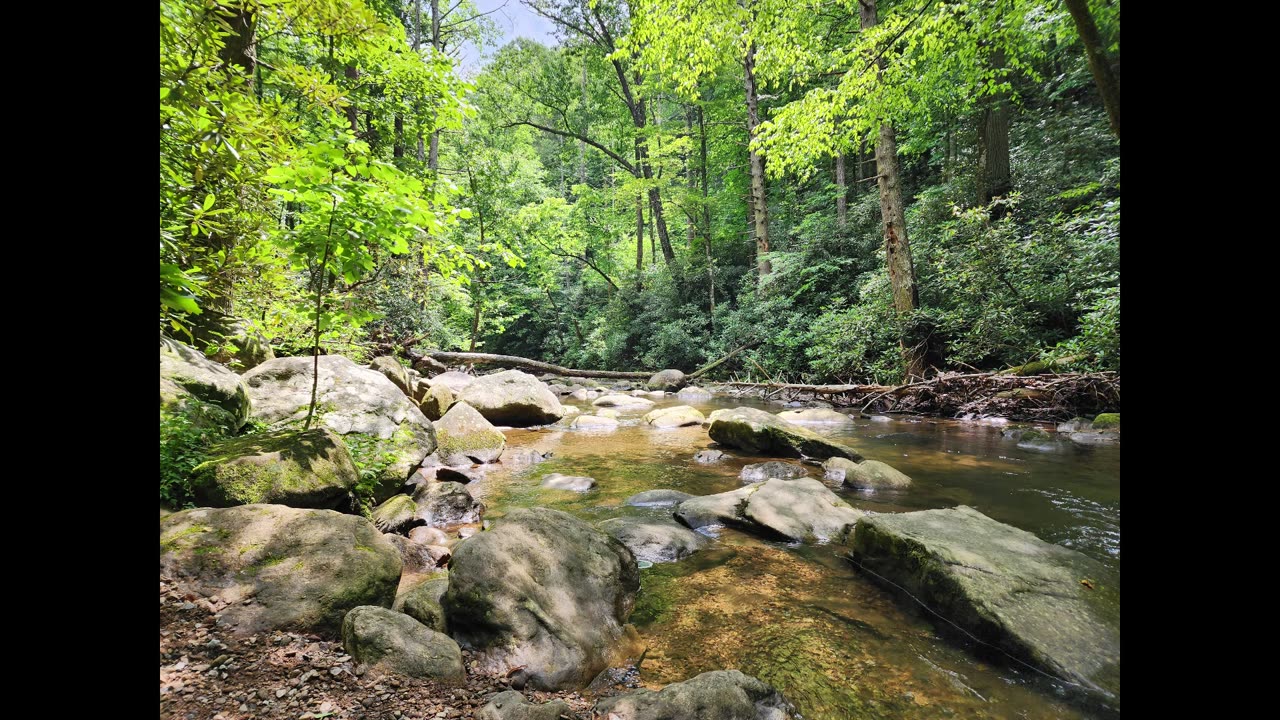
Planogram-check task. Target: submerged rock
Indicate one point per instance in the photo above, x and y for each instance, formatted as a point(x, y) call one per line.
point(576, 483)
point(298, 469)
point(374, 417)
point(465, 436)
point(1046, 605)
point(816, 416)
point(542, 590)
point(512, 398)
point(524, 456)
point(279, 567)
point(757, 431)
point(760, 472)
point(708, 456)
point(657, 540)
point(716, 695)
point(802, 510)
point(377, 637)
point(658, 498)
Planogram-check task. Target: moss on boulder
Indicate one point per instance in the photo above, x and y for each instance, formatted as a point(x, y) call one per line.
point(311, 468)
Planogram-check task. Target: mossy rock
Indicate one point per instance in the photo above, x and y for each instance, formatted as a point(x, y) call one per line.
point(381, 638)
point(422, 603)
point(1106, 421)
point(277, 567)
point(186, 371)
point(715, 695)
point(311, 468)
point(393, 371)
point(465, 436)
point(436, 400)
point(395, 515)
point(757, 431)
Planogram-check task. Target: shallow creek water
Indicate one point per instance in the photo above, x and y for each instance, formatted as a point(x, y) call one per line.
point(801, 617)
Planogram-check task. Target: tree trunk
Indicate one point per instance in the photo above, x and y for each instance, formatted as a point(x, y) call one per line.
point(639, 234)
point(582, 147)
point(1104, 76)
point(902, 278)
point(842, 194)
point(433, 155)
point(417, 43)
point(759, 202)
point(239, 48)
point(397, 150)
point(690, 179)
point(993, 143)
point(352, 73)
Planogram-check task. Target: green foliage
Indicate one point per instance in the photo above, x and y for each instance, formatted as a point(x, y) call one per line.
point(187, 429)
point(372, 462)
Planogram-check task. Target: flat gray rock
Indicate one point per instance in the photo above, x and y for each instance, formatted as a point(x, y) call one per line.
point(657, 540)
point(658, 498)
point(716, 695)
point(1006, 587)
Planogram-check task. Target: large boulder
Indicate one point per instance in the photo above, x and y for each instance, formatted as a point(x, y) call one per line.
point(657, 540)
point(669, 380)
point(377, 637)
point(716, 695)
point(277, 567)
point(454, 380)
point(622, 401)
point(436, 400)
point(311, 468)
point(395, 372)
point(757, 431)
point(694, 393)
point(677, 416)
point(866, 475)
point(422, 603)
point(465, 436)
point(512, 398)
point(816, 416)
point(774, 469)
point(1043, 604)
point(544, 591)
point(446, 505)
point(380, 424)
point(186, 371)
point(802, 510)
point(511, 705)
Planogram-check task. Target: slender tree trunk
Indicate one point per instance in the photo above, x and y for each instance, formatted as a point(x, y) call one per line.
point(706, 205)
point(993, 143)
point(397, 150)
point(475, 328)
point(690, 180)
point(842, 194)
point(417, 43)
point(351, 72)
point(902, 278)
point(1104, 76)
point(582, 147)
point(433, 155)
point(759, 201)
point(639, 233)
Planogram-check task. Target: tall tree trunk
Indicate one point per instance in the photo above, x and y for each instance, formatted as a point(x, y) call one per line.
point(417, 43)
point(690, 179)
point(706, 219)
point(639, 233)
point(902, 277)
point(1104, 76)
point(759, 201)
point(351, 72)
point(842, 194)
point(397, 150)
point(433, 155)
point(993, 143)
point(239, 48)
point(582, 146)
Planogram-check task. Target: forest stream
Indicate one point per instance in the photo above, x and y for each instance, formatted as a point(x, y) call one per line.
point(800, 616)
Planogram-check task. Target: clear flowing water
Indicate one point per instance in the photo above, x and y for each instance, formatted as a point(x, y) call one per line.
point(800, 617)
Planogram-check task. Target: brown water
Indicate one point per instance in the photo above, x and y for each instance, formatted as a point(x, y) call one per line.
point(800, 617)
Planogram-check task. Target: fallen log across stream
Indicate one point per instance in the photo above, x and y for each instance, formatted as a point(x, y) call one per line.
point(513, 361)
point(1017, 397)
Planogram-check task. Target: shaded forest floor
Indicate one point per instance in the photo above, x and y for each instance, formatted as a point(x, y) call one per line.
point(292, 675)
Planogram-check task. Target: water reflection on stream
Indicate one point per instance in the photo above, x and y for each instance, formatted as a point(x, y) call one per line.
point(800, 617)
